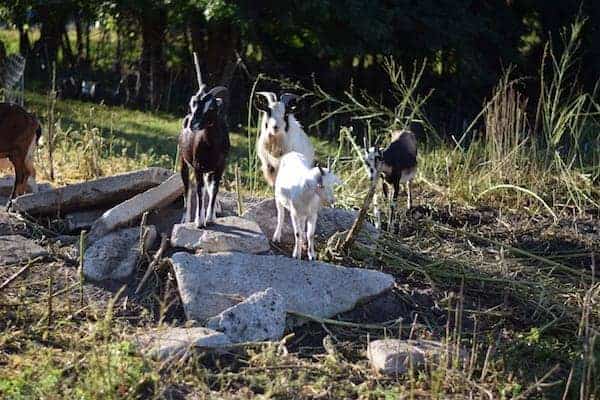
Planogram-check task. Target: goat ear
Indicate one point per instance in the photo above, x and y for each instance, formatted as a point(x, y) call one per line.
point(290, 101)
point(261, 103)
point(270, 96)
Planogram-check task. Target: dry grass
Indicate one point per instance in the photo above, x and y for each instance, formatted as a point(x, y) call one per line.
point(499, 256)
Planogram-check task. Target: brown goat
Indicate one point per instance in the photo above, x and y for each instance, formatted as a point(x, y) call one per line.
point(19, 135)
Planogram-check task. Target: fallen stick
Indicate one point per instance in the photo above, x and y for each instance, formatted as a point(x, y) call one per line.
point(19, 273)
point(384, 325)
point(358, 222)
point(155, 260)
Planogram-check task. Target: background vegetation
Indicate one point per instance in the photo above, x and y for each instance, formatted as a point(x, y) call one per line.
point(499, 255)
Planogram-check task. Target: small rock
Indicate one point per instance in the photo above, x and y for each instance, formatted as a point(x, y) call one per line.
point(394, 356)
point(259, 317)
point(10, 224)
point(227, 234)
point(65, 240)
point(211, 283)
point(115, 256)
point(330, 221)
point(176, 342)
point(16, 249)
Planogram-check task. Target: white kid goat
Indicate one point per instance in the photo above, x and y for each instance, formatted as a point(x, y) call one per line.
point(301, 190)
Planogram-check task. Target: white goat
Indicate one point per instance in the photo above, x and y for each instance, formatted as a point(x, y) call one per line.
point(280, 133)
point(301, 189)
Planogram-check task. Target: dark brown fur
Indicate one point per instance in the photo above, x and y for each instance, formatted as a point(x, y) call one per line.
point(205, 151)
point(18, 129)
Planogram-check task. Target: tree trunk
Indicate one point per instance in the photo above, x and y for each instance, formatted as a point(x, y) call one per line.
point(222, 41)
point(152, 63)
point(50, 36)
point(66, 48)
point(79, 41)
point(24, 45)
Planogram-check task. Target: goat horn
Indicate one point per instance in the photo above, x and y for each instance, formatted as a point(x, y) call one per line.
point(271, 97)
point(287, 97)
point(201, 86)
point(217, 91)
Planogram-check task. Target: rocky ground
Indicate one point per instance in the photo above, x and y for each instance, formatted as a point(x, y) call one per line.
point(177, 292)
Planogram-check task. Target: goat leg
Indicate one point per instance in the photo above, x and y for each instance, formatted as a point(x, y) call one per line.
point(187, 195)
point(311, 225)
point(377, 211)
point(296, 224)
point(200, 203)
point(408, 195)
point(280, 217)
point(213, 189)
point(396, 190)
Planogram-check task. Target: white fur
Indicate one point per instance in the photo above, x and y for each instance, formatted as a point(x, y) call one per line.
point(273, 127)
point(29, 160)
point(297, 189)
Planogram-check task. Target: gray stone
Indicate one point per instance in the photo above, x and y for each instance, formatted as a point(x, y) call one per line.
point(115, 256)
point(10, 224)
point(226, 234)
point(7, 182)
point(211, 283)
point(259, 317)
point(133, 208)
point(97, 193)
point(330, 221)
point(176, 342)
point(17, 249)
point(79, 220)
point(396, 356)
point(65, 240)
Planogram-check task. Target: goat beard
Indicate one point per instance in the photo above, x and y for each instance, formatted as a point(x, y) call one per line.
point(274, 145)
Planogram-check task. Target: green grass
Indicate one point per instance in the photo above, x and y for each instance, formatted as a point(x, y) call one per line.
point(498, 256)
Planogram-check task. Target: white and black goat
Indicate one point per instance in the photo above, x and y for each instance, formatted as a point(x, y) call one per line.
point(301, 190)
point(204, 147)
point(280, 133)
point(397, 163)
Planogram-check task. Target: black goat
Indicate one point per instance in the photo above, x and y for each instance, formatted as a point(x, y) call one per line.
point(204, 147)
point(397, 163)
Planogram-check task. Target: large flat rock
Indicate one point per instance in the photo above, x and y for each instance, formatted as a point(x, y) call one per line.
point(129, 210)
point(259, 317)
point(17, 249)
point(226, 234)
point(211, 283)
point(97, 193)
point(330, 221)
point(7, 182)
point(115, 256)
point(176, 342)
